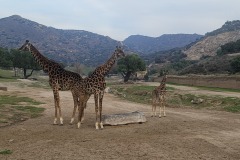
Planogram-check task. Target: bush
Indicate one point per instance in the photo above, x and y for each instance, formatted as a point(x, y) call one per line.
point(235, 65)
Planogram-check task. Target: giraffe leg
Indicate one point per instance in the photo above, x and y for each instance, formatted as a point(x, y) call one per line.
point(160, 106)
point(154, 109)
point(154, 100)
point(80, 112)
point(100, 109)
point(57, 106)
point(75, 101)
point(164, 102)
point(96, 109)
point(82, 115)
point(152, 106)
point(86, 97)
point(56, 114)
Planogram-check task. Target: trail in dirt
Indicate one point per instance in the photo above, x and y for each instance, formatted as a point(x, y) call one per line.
point(183, 134)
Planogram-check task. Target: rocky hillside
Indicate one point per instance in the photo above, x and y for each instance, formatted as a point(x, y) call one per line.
point(146, 45)
point(212, 41)
point(67, 46)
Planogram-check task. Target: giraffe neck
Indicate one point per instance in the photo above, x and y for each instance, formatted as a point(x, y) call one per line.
point(42, 61)
point(105, 68)
point(162, 85)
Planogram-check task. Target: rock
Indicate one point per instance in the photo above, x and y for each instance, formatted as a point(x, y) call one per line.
point(3, 88)
point(107, 90)
point(197, 101)
point(124, 118)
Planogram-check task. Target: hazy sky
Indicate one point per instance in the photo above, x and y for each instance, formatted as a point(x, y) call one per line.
point(119, 19)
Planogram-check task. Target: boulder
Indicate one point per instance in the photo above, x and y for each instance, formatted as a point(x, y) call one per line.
point(3, 88)
point(197, 101)
point(124, 118)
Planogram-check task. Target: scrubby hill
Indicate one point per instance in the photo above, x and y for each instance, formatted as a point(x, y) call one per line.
point(212, 41)
point(218, 52)
point(67, 46)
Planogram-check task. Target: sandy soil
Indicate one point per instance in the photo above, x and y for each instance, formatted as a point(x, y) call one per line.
point(185, 134)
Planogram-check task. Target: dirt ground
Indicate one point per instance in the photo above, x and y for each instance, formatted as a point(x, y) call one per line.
point(185, 134)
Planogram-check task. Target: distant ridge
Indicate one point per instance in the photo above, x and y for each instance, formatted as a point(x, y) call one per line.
point(79, 46)
point(146, 45)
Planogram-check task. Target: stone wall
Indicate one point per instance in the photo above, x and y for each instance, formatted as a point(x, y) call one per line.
point(208, 81)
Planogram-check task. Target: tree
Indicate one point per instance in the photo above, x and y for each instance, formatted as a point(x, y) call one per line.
point(5, 60)
point(25, 61)
point(235, 65)
point(129, 65)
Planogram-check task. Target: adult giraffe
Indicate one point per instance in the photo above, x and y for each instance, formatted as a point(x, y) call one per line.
point(59, 78)
point(94, 84)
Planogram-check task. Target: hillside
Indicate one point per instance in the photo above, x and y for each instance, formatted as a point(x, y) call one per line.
point(146, 45)
point(67, 46)
point(212, 41)
point(79, 46)
point(215, 53)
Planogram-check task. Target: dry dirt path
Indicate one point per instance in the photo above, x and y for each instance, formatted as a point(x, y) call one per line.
point(185, 134)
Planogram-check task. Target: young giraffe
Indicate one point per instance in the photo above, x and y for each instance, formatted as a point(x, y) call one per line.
point(59, 78)
point(158, 96)
point(94, 84)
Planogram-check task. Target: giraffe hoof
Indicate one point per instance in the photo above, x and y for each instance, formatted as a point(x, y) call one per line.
point(78, 125)
point(101, 125)
point(55, 122)
point(96, 125)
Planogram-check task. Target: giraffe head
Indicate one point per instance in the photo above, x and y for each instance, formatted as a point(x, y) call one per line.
point(119, 52)
point(25, 46)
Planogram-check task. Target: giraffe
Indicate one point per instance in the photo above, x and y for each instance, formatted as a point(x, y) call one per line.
point(94, 84)
point(158, 96)
point(59, 78)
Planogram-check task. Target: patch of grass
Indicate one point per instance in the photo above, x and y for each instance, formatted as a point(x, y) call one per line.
point(7, 76)
point(137, 93)
point(217, 89)
point(14, 100)
point(6, 151)
point(233, 109)
point(32, 111)
point(143, 94)
point(12, 110)
point(40, 84)
point(231, 104)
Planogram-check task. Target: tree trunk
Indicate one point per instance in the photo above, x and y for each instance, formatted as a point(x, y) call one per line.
point(15, 71)
point(127, 76)
point(25, 73)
